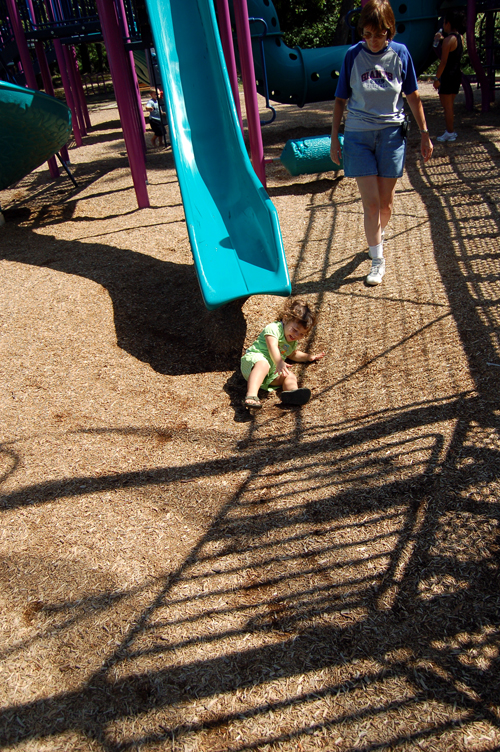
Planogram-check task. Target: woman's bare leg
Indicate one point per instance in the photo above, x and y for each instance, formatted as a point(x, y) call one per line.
point(370, 198)
point(447, 102)
point(386, 189)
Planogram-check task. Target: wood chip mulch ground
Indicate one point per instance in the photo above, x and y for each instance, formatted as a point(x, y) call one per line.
point(179, 575)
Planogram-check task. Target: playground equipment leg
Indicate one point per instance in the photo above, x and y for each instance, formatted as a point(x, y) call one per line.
point(474, 57)
point(125, 98)
point(47, 83)
point(248, 74)
point(79, 87)
point(66, 168)
point(70, 67)
point(226, 36)
point(61, 61)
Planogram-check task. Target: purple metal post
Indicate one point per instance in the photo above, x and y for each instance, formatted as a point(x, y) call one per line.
point(47, 84)
point(58, 48)
point(79, 87)
point(226, 36)
point(68, 58)
point(125, 97)
point(474, 57)
point(61, 61)
point(133, 72)
point(249, 88)
point(490, 55)
point(27, 64)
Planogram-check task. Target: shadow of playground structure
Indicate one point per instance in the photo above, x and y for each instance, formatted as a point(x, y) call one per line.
point(341, 593)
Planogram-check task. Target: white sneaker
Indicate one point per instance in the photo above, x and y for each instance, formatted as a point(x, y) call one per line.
point(376, 272)
point(447, 137)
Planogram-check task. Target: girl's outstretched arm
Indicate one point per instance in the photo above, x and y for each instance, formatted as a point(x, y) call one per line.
point(272, 346)
point(301, 357)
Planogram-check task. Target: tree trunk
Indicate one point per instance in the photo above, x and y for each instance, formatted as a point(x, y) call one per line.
point(342, 34)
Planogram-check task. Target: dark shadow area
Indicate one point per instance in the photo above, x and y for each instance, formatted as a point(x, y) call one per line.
point(106, 125)
point(158, 307)
point(465, 257)
point(300, 189)
point(387, 564)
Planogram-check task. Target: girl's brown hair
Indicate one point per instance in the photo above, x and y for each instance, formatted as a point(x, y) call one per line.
point(378, 15)
point(298, 310)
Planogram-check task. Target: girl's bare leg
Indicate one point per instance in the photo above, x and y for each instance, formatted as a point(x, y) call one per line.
point(257, 376)
point(290, 383)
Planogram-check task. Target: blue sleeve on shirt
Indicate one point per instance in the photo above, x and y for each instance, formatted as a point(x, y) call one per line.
point(343, 89)
point(409, 76)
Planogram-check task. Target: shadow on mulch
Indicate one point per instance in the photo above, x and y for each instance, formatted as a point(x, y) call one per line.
point(159, 314)
point(331, 601)
point(366, 551)
point(300, 189)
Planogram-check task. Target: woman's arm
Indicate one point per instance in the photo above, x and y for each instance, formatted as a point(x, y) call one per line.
point(415, 103)
point(338, 111)
point(272, 346)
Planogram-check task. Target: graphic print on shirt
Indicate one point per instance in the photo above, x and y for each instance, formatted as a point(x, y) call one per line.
point(377, 78)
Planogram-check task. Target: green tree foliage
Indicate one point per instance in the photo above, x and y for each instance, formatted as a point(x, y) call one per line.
point(314, 23)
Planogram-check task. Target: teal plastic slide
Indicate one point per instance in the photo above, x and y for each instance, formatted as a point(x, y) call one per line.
point(232, 223)
point(33, 127)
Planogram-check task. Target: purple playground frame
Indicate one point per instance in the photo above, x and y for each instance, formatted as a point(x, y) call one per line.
point(128, 97)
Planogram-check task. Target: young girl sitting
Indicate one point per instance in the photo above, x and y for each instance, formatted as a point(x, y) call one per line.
point(263, 364)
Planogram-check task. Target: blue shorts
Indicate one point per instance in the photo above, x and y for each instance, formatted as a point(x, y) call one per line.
point(380, 152)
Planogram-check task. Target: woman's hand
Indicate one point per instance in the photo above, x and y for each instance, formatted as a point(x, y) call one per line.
point(436, 83)
point(335, 150)
point(426, 147)
point(338, 112)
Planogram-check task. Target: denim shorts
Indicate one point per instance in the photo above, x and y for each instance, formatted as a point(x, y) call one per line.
point(380, 152)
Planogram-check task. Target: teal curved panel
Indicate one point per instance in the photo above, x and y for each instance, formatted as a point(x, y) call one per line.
point(33, 127)
point(232, 223)
point(415, 27)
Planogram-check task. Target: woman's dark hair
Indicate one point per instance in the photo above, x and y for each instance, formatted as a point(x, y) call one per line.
point(456, 19)
point(298, 310)
point(379, 15)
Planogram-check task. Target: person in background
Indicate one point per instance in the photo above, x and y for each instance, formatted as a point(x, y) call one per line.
point(155, 119)
point(448, 75)
point(375, 74)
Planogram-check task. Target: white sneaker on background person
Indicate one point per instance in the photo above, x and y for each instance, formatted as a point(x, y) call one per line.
point(447, 137)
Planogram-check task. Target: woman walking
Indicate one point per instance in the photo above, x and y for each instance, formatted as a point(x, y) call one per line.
point(375, 74)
